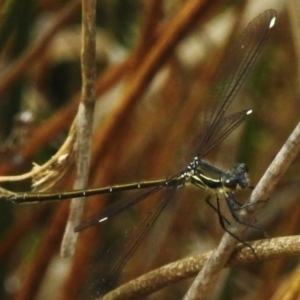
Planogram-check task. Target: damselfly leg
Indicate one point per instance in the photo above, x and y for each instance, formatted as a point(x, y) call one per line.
point(225, 223)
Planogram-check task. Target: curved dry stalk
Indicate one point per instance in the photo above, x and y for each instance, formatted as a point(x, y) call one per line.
point(84, 122)
point(188, 267)
point(50, 173)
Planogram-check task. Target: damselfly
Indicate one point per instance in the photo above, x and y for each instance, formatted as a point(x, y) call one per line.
point(199, 173)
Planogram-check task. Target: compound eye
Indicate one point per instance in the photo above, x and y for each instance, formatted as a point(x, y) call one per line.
point(230, 183)
point(243, 183)
point(240, 169)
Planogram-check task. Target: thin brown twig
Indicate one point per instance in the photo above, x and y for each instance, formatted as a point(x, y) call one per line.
point(147, 36)
point(33, 54)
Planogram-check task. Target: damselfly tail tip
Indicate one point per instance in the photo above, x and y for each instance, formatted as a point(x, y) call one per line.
point(249, 112)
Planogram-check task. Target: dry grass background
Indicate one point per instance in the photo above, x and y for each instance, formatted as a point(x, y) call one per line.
point(146, 118)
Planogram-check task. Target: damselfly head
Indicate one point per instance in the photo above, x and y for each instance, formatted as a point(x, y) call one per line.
point(237, 178)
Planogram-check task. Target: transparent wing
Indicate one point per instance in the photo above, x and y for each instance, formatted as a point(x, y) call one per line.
point(224, 128)
point(117, 207)
point(237, 64)
point(121, 251)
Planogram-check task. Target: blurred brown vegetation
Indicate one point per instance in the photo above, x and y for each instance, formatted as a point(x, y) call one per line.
point(148, 137)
